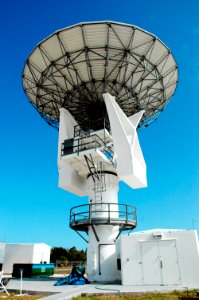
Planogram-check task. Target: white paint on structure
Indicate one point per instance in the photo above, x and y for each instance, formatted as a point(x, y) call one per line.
point(2, 252)
point(131, 166)
point(75, 176)
point(101, 255)
point(160, 257)
point(25, 253)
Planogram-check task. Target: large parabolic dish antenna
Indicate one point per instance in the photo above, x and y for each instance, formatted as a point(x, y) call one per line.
point(75, 66)
point(99, 82)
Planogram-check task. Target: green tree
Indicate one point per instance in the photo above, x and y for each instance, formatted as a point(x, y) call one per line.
point(56, 253)
point(72, 254)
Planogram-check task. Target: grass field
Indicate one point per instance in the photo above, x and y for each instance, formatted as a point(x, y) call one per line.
point(191, 295)
point(66, 270)
point(145, 296)
point(16, 297)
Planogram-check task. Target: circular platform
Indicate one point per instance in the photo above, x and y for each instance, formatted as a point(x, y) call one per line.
point(86, 215)
point(74, 66)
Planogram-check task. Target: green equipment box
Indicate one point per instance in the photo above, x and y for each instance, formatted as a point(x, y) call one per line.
point(31, 270)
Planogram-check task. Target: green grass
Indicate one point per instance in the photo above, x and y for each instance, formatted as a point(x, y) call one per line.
point(144, 296)
point(66, 270)
point(177, 295)
point(13, 296)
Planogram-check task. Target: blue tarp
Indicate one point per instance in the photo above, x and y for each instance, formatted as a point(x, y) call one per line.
point(75, 278)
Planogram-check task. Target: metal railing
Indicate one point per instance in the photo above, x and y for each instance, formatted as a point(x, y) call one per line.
point(103, 213)
point(90, 126)
point(81, 144)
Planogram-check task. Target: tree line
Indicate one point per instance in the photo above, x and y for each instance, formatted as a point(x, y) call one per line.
point(62, 256)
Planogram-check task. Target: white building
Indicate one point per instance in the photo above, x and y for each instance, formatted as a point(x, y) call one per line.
point(160, 257)
point(2, 254)
point(25, 253)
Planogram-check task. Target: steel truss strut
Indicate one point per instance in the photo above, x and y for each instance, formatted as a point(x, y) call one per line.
point(128, 73)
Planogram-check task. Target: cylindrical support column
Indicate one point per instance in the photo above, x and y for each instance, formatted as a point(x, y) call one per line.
point(101, 252)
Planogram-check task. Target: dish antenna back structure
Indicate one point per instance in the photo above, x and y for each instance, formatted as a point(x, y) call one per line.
point(97, 83)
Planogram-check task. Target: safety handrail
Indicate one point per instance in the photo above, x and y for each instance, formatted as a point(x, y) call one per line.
point(90, 212)
point(84, 143)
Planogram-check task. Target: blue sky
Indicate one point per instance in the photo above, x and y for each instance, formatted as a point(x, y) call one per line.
point(33, 208)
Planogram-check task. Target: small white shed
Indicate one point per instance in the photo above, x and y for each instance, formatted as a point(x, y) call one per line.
point(160, 257)
point(25, 253)
point(2, 254)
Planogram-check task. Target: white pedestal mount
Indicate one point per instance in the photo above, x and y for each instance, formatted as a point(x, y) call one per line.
point(91, 162)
